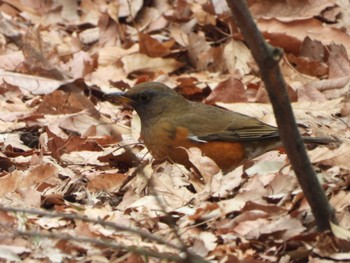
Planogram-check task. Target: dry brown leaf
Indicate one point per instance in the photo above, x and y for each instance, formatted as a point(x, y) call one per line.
point(153, 18)
point(81, 156)
point(89, 36)
point(37, 174)
point(313, 49)
point(51, 223)
point(7, 28)
point(141, 62)
point(152, 47)
point(30, 84)
point(228, 91)
point(40, 59)
point(50, 201)
point(60, 102)
point(204, 243)
point(237, 57)
point(14, 141)
point(202, 16)
point(171, 181)
point(103, 75)
point(337, 157)
point(107, 182)
point(341, 233)
point(206, 166)
point(88, 126)
point(339, 64)
point(199, 49)
point(289, 35)
point(289, 10)
point(309, 67)
point(125, 8)
point(110, 32)
point(284, 227)
point(340, 201)
point(11, 61)
point(9, 183)
point(70, 10)
point(81, 65)
point(179, 35)
point(90, 12)
point(10, 253)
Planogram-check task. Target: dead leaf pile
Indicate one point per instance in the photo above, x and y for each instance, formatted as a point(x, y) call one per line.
point(77, 185)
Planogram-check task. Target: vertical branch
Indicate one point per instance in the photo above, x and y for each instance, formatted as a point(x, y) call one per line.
point(267, 58)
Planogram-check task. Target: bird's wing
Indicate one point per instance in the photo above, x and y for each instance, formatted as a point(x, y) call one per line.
point(247, 133)
point(229, 126)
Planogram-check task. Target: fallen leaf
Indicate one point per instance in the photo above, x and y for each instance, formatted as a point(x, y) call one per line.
point(228, 91)
point(107, 182)
point(152, 47)
point(141, 62)
point(289, 11)
point(289, 35)
point(340, 232)
point(30, 84)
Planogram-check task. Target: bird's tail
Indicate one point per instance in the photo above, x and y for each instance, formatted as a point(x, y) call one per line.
point(320, 140)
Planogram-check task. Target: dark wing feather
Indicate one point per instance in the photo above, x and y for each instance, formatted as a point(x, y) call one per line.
point(222, 125)
point(250, 133)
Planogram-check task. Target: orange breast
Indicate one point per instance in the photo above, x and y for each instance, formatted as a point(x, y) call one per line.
point(227, 155)
point(166, 142)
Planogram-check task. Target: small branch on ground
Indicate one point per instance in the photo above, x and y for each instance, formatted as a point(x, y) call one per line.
point(100, 242)
point(191, 257)
point(112, 225)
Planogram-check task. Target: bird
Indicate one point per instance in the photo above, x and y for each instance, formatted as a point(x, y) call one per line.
point(170, 124)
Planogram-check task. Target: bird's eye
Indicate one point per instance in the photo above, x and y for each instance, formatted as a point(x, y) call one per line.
point(143, 97)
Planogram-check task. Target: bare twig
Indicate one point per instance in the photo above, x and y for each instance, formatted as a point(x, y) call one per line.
point(112, 225)
point(100, 242)
point(194, 258)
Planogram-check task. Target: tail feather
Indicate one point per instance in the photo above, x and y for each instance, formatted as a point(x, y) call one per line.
point(320, 140)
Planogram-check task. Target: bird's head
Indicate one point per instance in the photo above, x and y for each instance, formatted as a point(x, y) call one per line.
point(149, 99)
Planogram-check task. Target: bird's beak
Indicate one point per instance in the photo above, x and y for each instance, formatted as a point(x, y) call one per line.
point(119, 98)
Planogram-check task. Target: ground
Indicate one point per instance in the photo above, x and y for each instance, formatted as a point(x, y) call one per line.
point(77, 184)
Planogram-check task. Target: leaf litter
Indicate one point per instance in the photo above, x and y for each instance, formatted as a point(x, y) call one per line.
point(66, 150)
